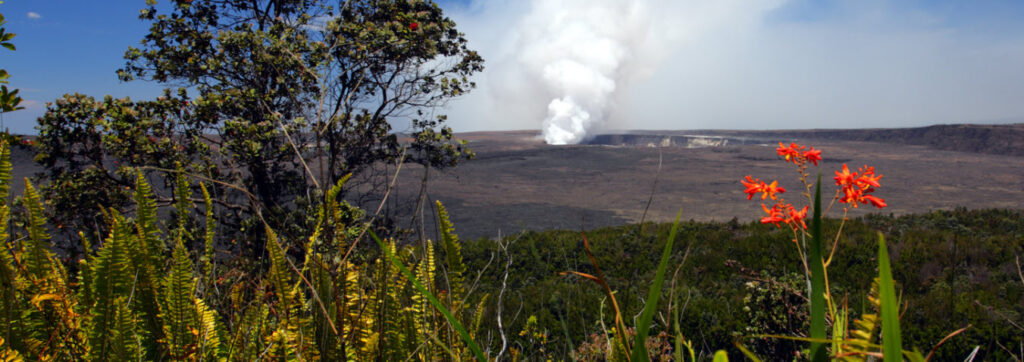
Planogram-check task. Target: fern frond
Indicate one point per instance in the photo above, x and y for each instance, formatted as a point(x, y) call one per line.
point(126, 344)
point(453, 258)
point(211, 232)
point(863, 332)
point(110, 279)
point(7, 354)
point(179, 316)
point(293, 326)
point(6, 170)
point(210, 333)
point(478, 316)
point(39, 259)
point(146, 219)
point(247, 342)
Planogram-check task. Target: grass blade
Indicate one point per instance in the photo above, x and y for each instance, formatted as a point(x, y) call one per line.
point(892, 346)
point(817, 280)
point(433, 300)
point(644, 325)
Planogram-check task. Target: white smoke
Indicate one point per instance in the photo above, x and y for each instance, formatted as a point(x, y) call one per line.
point(577, 50)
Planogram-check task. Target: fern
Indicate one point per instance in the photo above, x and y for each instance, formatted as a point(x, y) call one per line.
point(147, 257)
point(39, 259)
point(125, 342)
point(209, 333)
point(293, 328)
point(211, 232)
point(8, 307)
point(453, 258)
point(6, 170)
point(424, 312)
point(179, 316)
point(862, 336)
point(7, 354)
point(145, 222)
point(110, 280)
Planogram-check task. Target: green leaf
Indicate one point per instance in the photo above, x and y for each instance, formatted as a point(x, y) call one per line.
point(430, 296)
point(644, 325)
point(817, 280)
point(721, 356)
point(891, 343)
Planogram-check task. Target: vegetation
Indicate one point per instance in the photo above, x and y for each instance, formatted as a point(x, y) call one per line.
point(149, 279)
point(280, 100)
point(9, 99)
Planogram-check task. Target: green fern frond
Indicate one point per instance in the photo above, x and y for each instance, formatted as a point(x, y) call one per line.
point(6, 170)
point(126, 345)
point(293, 326)
point(279, 277)
point(211, 232)
point(863, 332)
point(210, 333)
point(478, 316)
point(146, 219)
point(179, 316)
point(39, 259)
point(110, 279)
point(453, 258)
point(246, 338)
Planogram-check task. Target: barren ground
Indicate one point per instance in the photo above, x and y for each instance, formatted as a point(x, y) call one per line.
point(519, 183)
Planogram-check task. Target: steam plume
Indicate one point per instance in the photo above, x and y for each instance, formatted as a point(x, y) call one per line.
point(577, 50)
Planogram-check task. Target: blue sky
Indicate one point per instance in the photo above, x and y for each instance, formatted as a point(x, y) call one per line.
point(750, 65)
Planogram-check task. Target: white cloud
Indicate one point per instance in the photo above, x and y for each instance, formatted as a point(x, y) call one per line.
point(34, 15)
point(742, 64)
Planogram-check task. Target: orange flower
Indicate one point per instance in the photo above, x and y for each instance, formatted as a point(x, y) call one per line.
point(754, 186)
point(790, 153)
point(771, 190)
point(857, 186)
point(775, 215)
point(813, 156)
point(785, 214)
point(796, 218)
point(874, 201)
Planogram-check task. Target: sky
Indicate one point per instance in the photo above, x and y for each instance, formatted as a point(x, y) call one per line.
point(635, 64)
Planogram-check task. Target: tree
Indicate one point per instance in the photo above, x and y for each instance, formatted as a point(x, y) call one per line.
point(292, 95)
point(9, 99)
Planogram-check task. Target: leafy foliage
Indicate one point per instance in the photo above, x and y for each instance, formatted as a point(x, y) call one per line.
point(287, 98)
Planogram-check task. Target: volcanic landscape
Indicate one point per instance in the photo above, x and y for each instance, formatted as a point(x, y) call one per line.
point(517, 182)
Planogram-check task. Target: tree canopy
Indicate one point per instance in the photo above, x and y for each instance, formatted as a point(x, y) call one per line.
point(277, 100)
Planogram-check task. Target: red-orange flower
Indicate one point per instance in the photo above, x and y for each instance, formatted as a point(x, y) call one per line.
point(413, 26)
point(797, 217)
point(790, 153)
point(812, 156)
point(785, 214)
point(857, 186)
point(754, 186)
point(874, 201)
point(775, 215)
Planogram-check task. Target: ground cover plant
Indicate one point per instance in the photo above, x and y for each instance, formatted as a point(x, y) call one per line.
point(143, 293)
point(280, 267)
